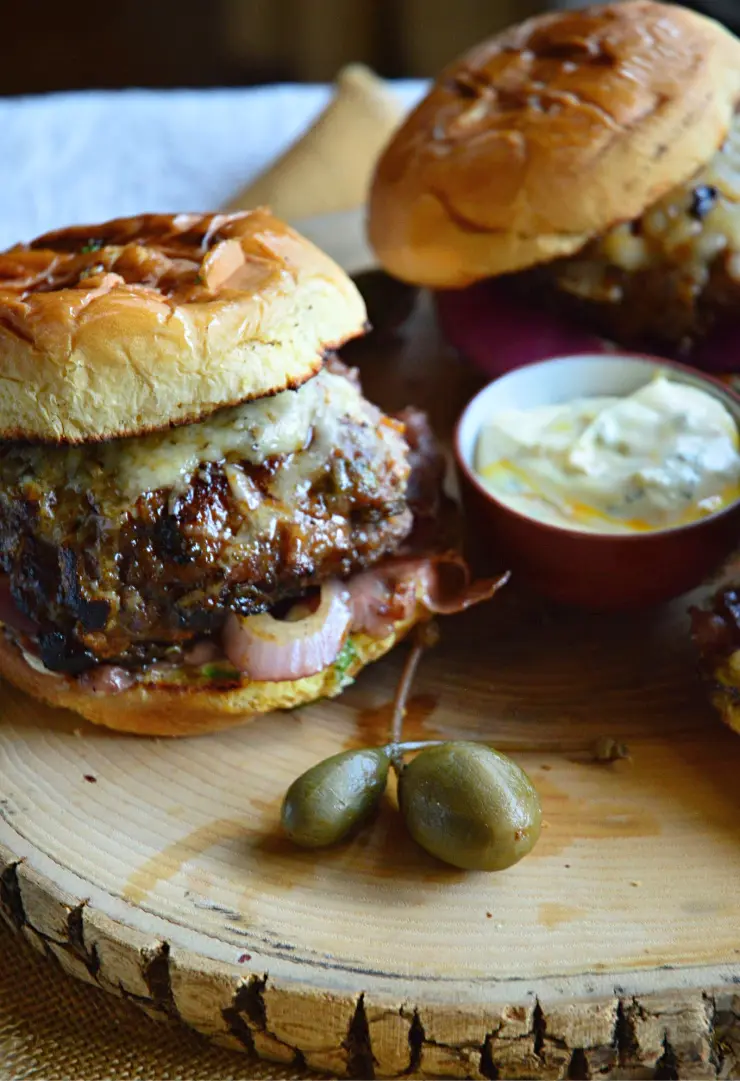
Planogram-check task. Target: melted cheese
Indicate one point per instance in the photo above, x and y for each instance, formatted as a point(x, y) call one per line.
point(251, 432)
point(314, 416)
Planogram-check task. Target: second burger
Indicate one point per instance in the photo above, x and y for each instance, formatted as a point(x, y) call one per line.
point(576, 175)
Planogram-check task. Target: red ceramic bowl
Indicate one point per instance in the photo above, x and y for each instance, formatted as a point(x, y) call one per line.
point(592, 570)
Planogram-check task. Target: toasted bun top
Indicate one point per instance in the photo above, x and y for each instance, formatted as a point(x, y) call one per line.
point(142, 323)
point(547, 134)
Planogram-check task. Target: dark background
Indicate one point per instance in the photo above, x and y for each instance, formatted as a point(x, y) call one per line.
point(57, 46)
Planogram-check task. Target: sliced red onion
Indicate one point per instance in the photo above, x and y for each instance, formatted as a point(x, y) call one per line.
point(499, 332)
point(107, 679)
point(269, 649)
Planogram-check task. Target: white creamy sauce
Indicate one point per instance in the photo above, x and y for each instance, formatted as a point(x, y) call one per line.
point(664, 456)
point(34, 662)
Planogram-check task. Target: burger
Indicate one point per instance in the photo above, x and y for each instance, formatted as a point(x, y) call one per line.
point(201, 516)
point(572, 183)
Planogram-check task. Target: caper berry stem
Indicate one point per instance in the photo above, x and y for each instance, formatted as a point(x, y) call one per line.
point(396, 753)
point(402, 691)
point(424, 637)
point(408, 747)
point(603, 749)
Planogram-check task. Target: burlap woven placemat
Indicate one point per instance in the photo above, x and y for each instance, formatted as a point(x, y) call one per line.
point(54, 1028)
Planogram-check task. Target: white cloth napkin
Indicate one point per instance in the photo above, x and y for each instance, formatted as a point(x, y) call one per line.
point(71, 158)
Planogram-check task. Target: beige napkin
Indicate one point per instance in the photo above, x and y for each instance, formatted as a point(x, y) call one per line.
point(329, 169)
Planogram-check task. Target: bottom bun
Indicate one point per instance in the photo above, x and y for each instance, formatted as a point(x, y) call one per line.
point(169, 709)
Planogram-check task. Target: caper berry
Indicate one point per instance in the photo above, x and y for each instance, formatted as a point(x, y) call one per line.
point(470, 806)
point(332, 798)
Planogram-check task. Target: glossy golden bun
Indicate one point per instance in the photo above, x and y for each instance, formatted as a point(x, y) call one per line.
point(547, 134)
point(142, 323)
point(172, 710)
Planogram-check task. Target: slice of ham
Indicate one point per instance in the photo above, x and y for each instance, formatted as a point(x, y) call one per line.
point(447, 587)
point(390, 593)
point(273, 650)
point(380, 600)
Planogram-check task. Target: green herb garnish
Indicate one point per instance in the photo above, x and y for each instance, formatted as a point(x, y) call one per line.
point(219, 671)
point(92, 245)
point(346, 658)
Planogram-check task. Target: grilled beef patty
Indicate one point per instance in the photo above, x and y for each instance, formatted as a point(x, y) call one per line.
point(114, 567)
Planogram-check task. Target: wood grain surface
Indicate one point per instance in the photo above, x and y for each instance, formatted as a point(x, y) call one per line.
point(154, 868)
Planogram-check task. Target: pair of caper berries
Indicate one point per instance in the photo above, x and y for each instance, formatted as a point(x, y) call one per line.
point(463, 802)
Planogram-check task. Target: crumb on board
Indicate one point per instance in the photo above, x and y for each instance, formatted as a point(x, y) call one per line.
point(606, 749)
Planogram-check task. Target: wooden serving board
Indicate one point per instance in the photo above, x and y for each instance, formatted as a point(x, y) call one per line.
point(154, 868)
